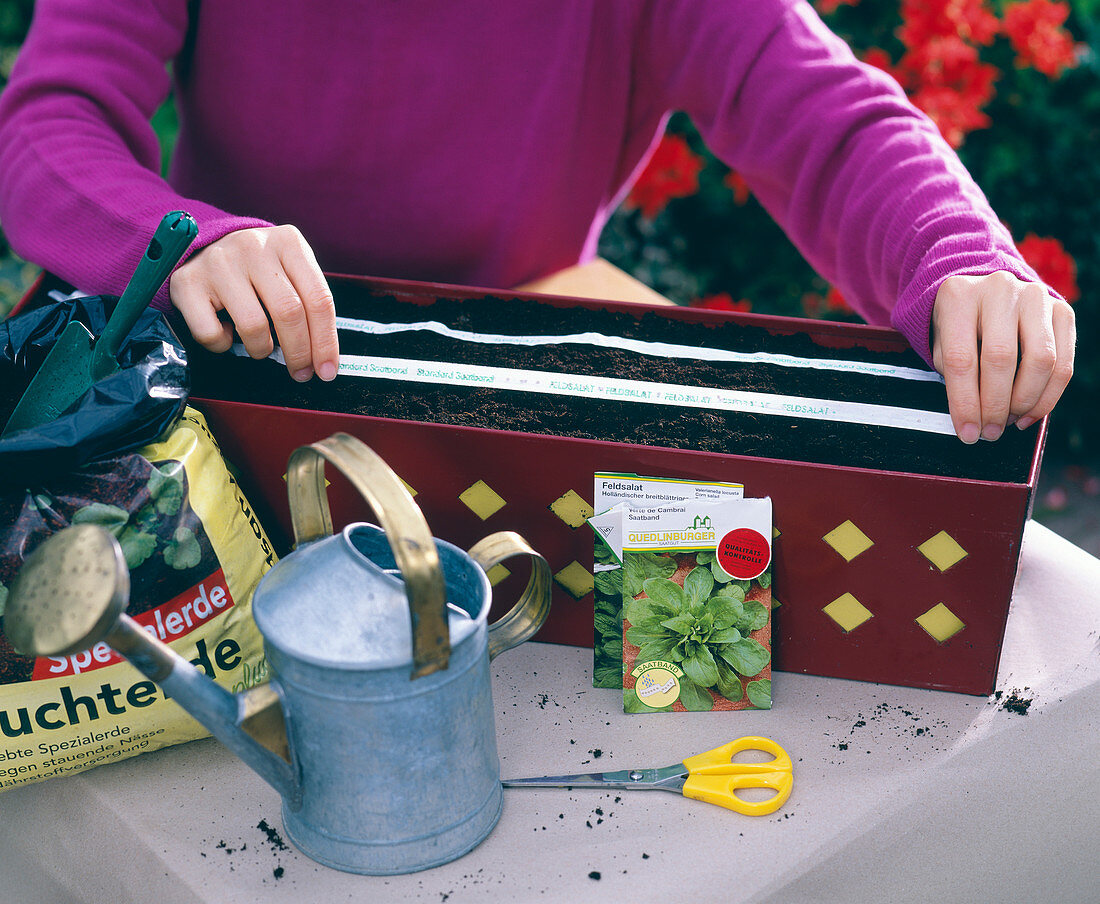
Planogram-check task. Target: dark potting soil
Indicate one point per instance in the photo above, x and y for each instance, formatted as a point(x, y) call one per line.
point(1014, 701)
point(827, 442)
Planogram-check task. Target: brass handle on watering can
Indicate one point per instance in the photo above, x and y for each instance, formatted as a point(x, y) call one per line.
point(530, 611)
point(399, 517)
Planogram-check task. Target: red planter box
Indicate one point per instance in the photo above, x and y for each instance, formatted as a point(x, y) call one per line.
point(886, 607)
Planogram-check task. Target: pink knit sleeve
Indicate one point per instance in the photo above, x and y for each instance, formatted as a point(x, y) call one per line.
point(859, 179)
point(80, 190)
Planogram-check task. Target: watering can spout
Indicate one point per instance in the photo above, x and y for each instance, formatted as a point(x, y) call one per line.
point(250, 723)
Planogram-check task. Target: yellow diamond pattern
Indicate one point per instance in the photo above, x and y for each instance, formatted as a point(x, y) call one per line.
point(848, 612)
point(776, 532)
point(848, 540)
point(575, 579)
point(941, 623)
point(496, 574)
point(412, 492)
point(942, 550)
point(482, 500)
point(572, 509)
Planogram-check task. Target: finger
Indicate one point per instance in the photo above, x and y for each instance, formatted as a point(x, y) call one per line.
point(312, 288)
point(1065, 337)
point(200, 312)
point(998, 357)
point(955, 356)
point(1038, 348)
point(284, 307)
point(238, 297)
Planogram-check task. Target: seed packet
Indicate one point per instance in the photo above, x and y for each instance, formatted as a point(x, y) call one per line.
point(612, 493)
point(607, 593)
point(696, 583)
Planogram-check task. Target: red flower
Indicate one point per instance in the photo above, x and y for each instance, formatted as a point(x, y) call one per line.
point(1053, 264)
point(736, 183)
point(941, 71)
point(834, 301)
point(923, 20)
point(672, 172)
point(945, 78)
point(1035, 29)
point(955, 113)
point(722, 302)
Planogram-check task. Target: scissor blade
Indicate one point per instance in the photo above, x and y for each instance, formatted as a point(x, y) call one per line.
point(667, 779)
point(580, 780)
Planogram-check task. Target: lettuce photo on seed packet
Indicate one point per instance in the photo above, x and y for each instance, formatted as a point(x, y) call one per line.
point(696, 590)
point(613, 492)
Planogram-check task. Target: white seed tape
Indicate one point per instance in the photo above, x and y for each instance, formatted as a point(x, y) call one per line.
point(613, 389)
point(656, 349)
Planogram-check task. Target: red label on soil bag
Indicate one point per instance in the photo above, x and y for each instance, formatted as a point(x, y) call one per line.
point(744, 553)
point(168, 621)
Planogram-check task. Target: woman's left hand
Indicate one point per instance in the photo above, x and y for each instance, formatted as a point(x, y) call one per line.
point(1005, 349)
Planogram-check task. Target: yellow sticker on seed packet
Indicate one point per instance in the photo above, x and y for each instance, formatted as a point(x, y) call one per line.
point(657, 683)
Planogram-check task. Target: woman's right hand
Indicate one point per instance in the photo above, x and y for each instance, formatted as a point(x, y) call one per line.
point(261, 277)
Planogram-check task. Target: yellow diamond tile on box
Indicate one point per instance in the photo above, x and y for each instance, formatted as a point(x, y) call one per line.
point(775, 602)
point(412, 492)
point(776, 532)
point(942, 550)
point(496, 574)
point(940, 622)
point(482, 500)
point(575, 579)
point(572, 509)
point(848, 540)
point(848, 612)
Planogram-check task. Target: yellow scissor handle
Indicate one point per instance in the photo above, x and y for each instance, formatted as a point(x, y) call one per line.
point(715, 778)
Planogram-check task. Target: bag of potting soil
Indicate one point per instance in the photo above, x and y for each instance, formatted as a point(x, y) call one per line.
point(119, 413)
point(194, 549)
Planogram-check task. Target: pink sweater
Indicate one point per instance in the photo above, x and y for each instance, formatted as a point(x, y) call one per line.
point(482, 142)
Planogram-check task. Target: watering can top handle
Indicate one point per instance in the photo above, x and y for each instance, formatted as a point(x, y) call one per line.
point(530, 611)
point(399, 517)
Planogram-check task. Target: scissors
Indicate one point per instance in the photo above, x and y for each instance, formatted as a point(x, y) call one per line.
point(712, 777)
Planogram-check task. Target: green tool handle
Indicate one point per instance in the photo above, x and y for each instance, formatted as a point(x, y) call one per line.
point(173, 237)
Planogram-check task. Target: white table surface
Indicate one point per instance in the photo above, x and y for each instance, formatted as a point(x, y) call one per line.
point(900, 795)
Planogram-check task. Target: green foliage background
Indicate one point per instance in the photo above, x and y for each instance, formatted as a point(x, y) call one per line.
point(1038, 164)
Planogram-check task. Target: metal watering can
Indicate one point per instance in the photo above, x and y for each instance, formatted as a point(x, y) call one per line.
point(378, 773)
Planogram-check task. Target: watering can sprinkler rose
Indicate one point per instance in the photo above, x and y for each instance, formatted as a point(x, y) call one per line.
point(377, 729)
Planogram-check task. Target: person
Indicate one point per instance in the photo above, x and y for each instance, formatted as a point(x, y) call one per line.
point(486, 143)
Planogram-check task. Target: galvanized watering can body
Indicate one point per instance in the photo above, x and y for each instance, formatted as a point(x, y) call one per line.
point(397, 775)
point(377, 727)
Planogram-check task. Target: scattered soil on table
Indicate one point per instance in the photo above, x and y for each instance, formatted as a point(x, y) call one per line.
point(1014, 701)
point(797, 439)
point(273, 837)
point(275, 845)
point(883, 721)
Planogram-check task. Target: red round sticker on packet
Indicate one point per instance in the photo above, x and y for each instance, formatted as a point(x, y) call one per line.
point(744, 553)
